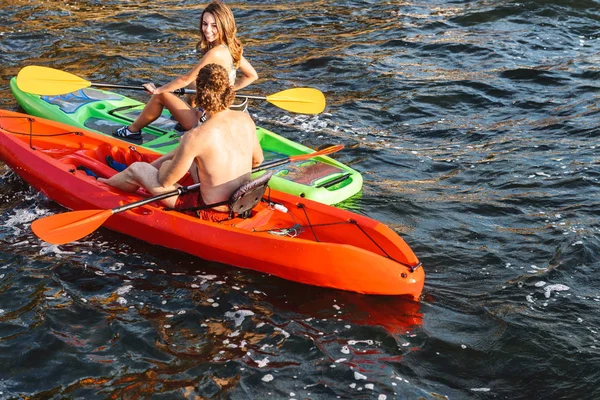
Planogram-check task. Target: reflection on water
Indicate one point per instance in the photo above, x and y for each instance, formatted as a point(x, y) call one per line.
point(474, 126)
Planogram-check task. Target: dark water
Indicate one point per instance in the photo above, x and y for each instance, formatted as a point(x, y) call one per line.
point(474, 124)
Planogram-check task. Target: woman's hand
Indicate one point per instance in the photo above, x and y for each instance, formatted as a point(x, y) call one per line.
point(150, 88)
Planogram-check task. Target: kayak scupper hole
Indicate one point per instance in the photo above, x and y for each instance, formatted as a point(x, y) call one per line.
point(100, 106)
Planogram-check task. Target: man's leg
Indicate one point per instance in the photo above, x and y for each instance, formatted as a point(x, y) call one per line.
point(140, 174)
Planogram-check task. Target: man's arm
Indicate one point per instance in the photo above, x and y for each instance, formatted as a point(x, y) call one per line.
point(174, 169)
point(257, 153)
point(165, 157)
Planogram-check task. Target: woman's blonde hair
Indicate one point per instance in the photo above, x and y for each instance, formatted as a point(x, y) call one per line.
point(226, 28)
point(214, 93)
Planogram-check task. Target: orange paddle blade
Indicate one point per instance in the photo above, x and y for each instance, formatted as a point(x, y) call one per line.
point(322, 152)
point(69, 226)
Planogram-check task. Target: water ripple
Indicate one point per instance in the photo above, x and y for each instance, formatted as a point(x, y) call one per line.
point(474, 126)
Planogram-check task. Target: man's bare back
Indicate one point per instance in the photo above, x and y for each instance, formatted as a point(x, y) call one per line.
point(224, 149)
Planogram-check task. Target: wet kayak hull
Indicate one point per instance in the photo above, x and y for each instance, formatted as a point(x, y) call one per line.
point(299, 239)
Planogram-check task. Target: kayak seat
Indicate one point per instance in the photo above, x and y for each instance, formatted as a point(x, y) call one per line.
point(243, 199)
point(81, 159)
point(124, 155)
point(247, 196)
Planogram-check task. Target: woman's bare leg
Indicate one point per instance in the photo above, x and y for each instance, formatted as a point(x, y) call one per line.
point(183, 113)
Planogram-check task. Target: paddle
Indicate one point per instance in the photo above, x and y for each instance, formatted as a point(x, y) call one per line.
point(46, 81)
point(73, 225)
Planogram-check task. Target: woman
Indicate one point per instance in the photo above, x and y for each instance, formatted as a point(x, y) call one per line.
point(218, 45)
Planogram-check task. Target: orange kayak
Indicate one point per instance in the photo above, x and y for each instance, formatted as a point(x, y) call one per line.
point(286, 236)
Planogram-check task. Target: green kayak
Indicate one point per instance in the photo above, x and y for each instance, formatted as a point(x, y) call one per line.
point(321, 179)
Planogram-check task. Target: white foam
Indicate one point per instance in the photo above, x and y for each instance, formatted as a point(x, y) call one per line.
point(284, 333)
point(51, 248)
point(262, 363)
point(554, 288)
point(238, 316)
point(124, 290)
point(358, 376)
point(25, 216)
point(530, 298)
point(117, 267)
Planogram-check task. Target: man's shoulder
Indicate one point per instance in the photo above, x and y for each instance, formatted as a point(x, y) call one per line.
point(236, 115)
point(224, 119)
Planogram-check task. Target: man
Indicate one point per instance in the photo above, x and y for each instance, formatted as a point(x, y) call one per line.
point(220, 153)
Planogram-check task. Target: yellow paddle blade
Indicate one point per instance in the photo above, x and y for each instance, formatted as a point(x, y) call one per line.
point(299, 100)
point(69, 226)
point(48, 81)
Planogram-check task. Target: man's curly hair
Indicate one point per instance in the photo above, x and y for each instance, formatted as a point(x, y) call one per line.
point(213, 91)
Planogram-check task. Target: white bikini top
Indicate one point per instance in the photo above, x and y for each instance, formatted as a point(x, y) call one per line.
point(232, 70)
